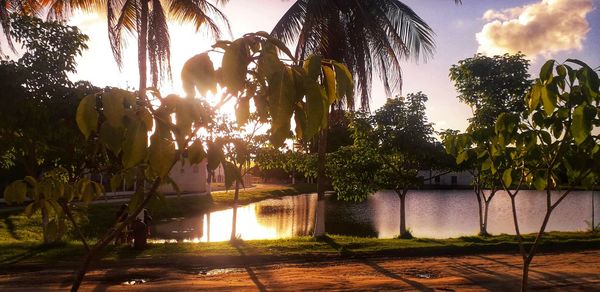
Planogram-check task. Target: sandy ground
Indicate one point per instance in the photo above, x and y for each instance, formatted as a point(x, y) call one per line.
point(572, 271)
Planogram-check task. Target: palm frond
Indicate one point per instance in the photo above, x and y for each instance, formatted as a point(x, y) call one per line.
point(368, 36)
point(200, 13)
point(159, 52)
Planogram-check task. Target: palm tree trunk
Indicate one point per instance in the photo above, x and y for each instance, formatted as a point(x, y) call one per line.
point(143, 46)
point(320, 212)
point(235, 205)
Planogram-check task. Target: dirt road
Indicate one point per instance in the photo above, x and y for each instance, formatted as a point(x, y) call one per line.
point(572, 271)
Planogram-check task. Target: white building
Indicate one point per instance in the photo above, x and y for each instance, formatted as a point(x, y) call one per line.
point(189, 178)
point(444, 178)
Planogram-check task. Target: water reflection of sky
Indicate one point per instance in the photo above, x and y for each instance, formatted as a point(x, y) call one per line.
point(432, 214)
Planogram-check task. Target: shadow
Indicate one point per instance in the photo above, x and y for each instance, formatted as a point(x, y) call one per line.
point(343, 250)
point(239, 246)
point(23, 256)
point(392, 275)
point(12, 230)
point(126, 251)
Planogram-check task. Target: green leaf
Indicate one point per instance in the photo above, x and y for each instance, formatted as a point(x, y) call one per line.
point(16, 192)
point(215, 155)
point(31, 208)
point(507, 177)
point(112, 107)
point(87, 116)
point(463, 156)
point(282, 97)
point(539, 181)
point(147, 118)
point(199, 72)
point(330, 84)
point(549, 99)
point(196, 152)
point(234, 66)
point(135, 144)
point(315, 108)
point(312, 65)
point(345, 85)
point(581, 126)
point(112, 137)
point(231, 174)
point(546, 71)
point(534, 96)
point(242, 111)
point(162, 155)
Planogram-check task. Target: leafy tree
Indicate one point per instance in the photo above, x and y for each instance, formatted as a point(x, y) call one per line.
point(367, 36)
point(390, 148)
point(491, 86)
point(38, 131)
point(118, 122)
point(551, 146)
point(240, 150)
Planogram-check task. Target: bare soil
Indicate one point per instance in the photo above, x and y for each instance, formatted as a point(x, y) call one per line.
point(571, 271)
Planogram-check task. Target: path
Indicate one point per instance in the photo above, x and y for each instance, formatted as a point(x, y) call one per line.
point(573, 271)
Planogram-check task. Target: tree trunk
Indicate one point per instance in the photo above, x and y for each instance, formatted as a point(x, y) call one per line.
point(320, 212)
point(402, 196)
point(235, 205)
point(486, 209)
point(525, 278)
point(45, 221)
point(480, 209)
point(143, 46)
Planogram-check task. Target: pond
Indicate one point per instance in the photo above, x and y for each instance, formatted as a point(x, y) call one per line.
point(430, 213)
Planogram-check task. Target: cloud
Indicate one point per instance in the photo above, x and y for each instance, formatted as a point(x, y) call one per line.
point(541, 28)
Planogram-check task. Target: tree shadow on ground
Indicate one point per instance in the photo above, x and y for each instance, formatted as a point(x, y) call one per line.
point(376, 267)
point(240, 246)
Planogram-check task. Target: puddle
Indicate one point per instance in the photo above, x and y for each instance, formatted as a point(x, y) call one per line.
point(215, 272)
point(134, 282)
point(423, 274)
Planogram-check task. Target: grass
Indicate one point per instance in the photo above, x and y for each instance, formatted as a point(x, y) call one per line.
point(20, 236)
point(16, 227)
point(298, 247)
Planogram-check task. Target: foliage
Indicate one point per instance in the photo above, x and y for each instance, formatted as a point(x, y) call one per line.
point(552, 145)
point(253, 73)
point(52, 194)
point(40, 100)
point(491, 86)
point(390, 147)
point(368, 36)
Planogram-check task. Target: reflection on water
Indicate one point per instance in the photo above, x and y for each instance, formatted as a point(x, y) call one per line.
point(433, 214)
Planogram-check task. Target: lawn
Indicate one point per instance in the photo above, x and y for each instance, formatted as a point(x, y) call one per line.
point(20, 236)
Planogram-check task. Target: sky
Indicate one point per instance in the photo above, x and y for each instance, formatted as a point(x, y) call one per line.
point(542, 29)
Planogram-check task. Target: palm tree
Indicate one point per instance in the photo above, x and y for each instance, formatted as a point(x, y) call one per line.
point(25, 7)
point(148, 20)
point(366, 35)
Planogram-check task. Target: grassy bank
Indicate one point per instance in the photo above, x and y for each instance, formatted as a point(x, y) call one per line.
point(17, 228)
point(302, 248)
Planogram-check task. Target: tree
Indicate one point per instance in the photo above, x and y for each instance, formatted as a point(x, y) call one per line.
point(551, 146)
point(148, 20)
point(38, 132)
point(118, 122)
point(390, 148)
point(240, 150)
point(490, 86)
point(367, 36)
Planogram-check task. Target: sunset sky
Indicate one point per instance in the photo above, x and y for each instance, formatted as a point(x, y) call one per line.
point(541, 29)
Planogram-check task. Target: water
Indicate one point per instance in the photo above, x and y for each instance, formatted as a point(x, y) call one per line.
point(430, 213)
